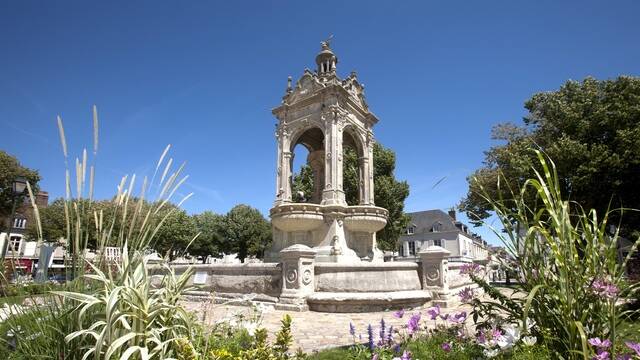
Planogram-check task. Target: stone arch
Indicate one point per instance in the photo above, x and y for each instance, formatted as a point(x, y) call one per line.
point(352, 138)
point(312, 138)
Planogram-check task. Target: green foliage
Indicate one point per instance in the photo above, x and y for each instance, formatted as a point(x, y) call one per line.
point(210, 227)
point(389, 193)
point(302, 183)
point(562, 253)
point(176, 232)
point(10, 169)
point(245, 232)
point(590, 129)
point(125, 315)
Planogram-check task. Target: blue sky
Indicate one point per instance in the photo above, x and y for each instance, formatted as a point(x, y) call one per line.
point(203, 77)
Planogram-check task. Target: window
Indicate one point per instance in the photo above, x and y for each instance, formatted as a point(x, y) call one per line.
point(412, 247)
point(14, 244)
point(437, 242)
point(19, 223)
point(436, 227)
point(411, 230)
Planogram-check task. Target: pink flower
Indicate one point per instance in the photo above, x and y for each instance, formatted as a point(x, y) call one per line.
point(470, 269)
point(466, 295)
point(399, 314)
point(600, 344)
point(459, 317)
point(604, 289)
point(633, 346)
point(601, 355)
point(446, 347)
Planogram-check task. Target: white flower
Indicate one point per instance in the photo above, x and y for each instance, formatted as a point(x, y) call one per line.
point(530, 324)
point(251, 327)
point(491, 353)
point(509, 338)
point(529, 340)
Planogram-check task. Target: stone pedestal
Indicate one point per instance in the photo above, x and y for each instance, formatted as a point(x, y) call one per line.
point(435, 266)
point(297, 277)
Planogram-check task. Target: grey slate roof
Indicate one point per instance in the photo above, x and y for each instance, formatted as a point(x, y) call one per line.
point(424, 221)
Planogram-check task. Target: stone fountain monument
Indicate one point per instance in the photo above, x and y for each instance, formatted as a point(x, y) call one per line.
point(326, 114)
point(324, 255)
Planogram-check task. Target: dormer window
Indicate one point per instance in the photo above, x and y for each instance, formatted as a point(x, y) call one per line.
point(411, 230)
point(436, 227)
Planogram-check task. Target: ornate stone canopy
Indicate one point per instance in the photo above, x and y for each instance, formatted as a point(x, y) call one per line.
point(325, 114)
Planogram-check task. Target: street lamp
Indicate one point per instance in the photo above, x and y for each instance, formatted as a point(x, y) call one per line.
point(18, 186)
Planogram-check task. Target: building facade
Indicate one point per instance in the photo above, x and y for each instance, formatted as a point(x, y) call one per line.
point(436, 227)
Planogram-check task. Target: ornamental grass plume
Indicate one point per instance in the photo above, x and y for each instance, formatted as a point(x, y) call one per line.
point(110, 308)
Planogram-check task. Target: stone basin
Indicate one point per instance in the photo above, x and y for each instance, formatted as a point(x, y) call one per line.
point(297, 217)
point(365, 218)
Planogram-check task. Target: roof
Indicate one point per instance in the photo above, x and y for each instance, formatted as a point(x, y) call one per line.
point(424, 222)
point(426, 219)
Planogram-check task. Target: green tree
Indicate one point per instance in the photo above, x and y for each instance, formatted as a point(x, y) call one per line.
point(52, 220)
point(245, 232)
point(591, 130)
point(10, 169)
point(389, 193)
point(176, 232)
point(210, 241)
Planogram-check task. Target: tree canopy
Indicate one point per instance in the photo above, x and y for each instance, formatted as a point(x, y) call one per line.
point(389, 193)
point(10, 169)
point(590, 129)
point(245, 231)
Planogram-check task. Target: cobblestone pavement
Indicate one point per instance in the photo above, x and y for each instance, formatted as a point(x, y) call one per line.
point(314, 330)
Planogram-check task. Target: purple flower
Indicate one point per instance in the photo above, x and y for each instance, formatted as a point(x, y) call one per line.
point(444, 316)
point(390, 335)
point(352, 329)
point(604, 289)
point(601, 355)
point(459, 317)
point(383, 328)
point(396, 348)
point(370, 343)
point(434, 312)
point(633, 346)
point(470, 269)
point(466, 295)
point(399, 314)
point(624, 357)
point(600, 344)
point(481, 338)
point(446, 347)
point(413, 323)
point(406, 355)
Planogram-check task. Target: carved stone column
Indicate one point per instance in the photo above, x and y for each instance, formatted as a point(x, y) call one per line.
point(368, 178)
point(333, 193)
point(435, 267)
point(297, 275)
point(316, 161)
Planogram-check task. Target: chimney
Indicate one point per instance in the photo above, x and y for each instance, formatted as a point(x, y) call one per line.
point(452, 214)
